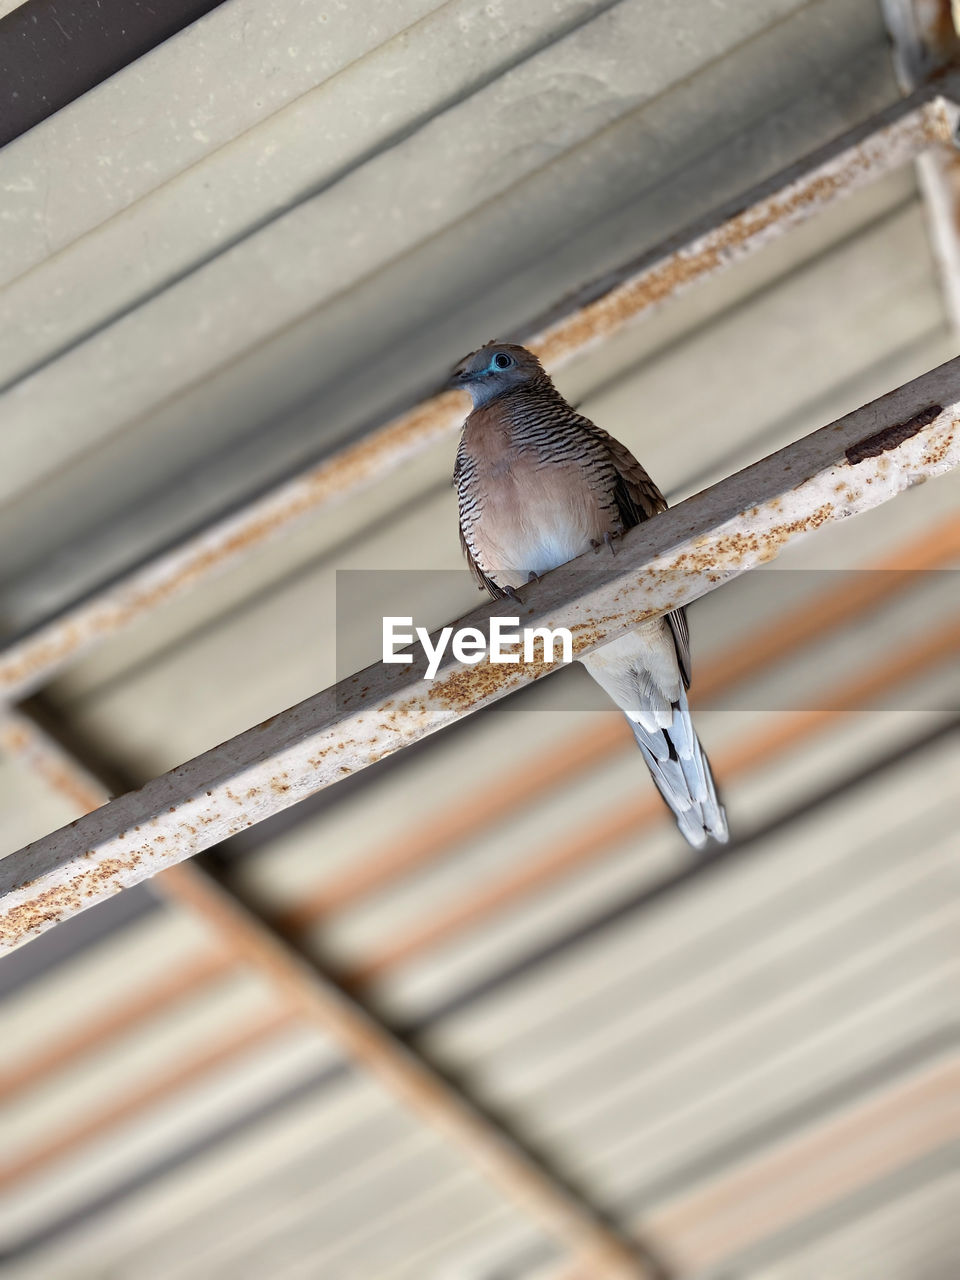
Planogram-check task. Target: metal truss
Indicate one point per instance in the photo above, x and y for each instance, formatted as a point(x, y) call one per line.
point(307, 995)
point(924, 120)
point(848, 467)
point(844, 469)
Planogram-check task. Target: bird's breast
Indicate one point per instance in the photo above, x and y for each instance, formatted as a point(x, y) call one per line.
point(528, 518)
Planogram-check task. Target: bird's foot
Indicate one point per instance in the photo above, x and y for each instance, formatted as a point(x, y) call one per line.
point(606, 541)
point(533, 576)
point(512, 593)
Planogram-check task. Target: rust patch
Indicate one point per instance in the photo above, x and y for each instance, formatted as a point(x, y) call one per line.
point(937, 453)
point(670, 276)
point(346, 470)
point(61, 777)
point(433, 419)
point(891, 437)
point(63, 900)
point(463, 690)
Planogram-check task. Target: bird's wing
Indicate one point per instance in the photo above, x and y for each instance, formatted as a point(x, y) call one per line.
point(681, 640)
point(638, 498)
point(483, 582)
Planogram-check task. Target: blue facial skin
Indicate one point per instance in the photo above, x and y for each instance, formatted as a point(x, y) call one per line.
point(500, 374)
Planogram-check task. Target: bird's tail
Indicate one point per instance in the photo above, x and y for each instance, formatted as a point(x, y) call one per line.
point(681, 771)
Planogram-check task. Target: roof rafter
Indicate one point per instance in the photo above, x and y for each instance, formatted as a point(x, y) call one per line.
point(308, 995)
point(730, 234)
point(845, 468)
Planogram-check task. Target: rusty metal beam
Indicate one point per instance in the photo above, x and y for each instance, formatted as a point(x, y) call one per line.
point(307, 995)
point(938, 177)
point(468, 816)
point(822, 616)
point(886, 141)
point(848, 467)
point(915, 1116)
point(925, 39)
point(925, 43)
point(830, 609)
point(585, 845)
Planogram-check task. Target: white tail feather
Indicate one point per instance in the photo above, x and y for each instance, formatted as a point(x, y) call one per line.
point(683, 776)
point(641, 673)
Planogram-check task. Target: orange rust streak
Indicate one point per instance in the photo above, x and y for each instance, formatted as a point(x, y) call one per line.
point(830, 610)
point(323, 1004)
point(756, 749)
point(513, 791)
point(19, 739)
point(263, 1028)
point(750, 1203)
point(886, 1132)
point(464, 819)
point(333, 479)
point(378, 453)
point(685, 267)
point(115, 1021)
point(318, 1002)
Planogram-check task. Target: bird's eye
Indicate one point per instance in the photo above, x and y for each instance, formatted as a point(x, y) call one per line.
point(502, 361)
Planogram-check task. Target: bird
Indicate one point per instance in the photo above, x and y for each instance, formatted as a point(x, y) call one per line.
point(538, 484)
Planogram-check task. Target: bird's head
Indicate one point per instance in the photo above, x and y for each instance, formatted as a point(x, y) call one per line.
point(494, 369)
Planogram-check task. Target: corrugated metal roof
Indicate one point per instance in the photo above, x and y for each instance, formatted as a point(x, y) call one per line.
point(250, 245)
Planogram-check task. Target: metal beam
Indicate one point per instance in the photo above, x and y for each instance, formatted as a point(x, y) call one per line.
point(475, 811)
point(925, 42)
point(585, 845)
point(307, 994)
point(754, 1140)
point(467, 816)
point(727, 236)
point(848, 467)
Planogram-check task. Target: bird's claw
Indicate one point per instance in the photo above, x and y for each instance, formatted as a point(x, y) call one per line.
point(606, 541)
point(512, 593)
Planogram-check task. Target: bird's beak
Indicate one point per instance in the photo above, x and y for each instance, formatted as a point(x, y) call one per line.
point(457, 379)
